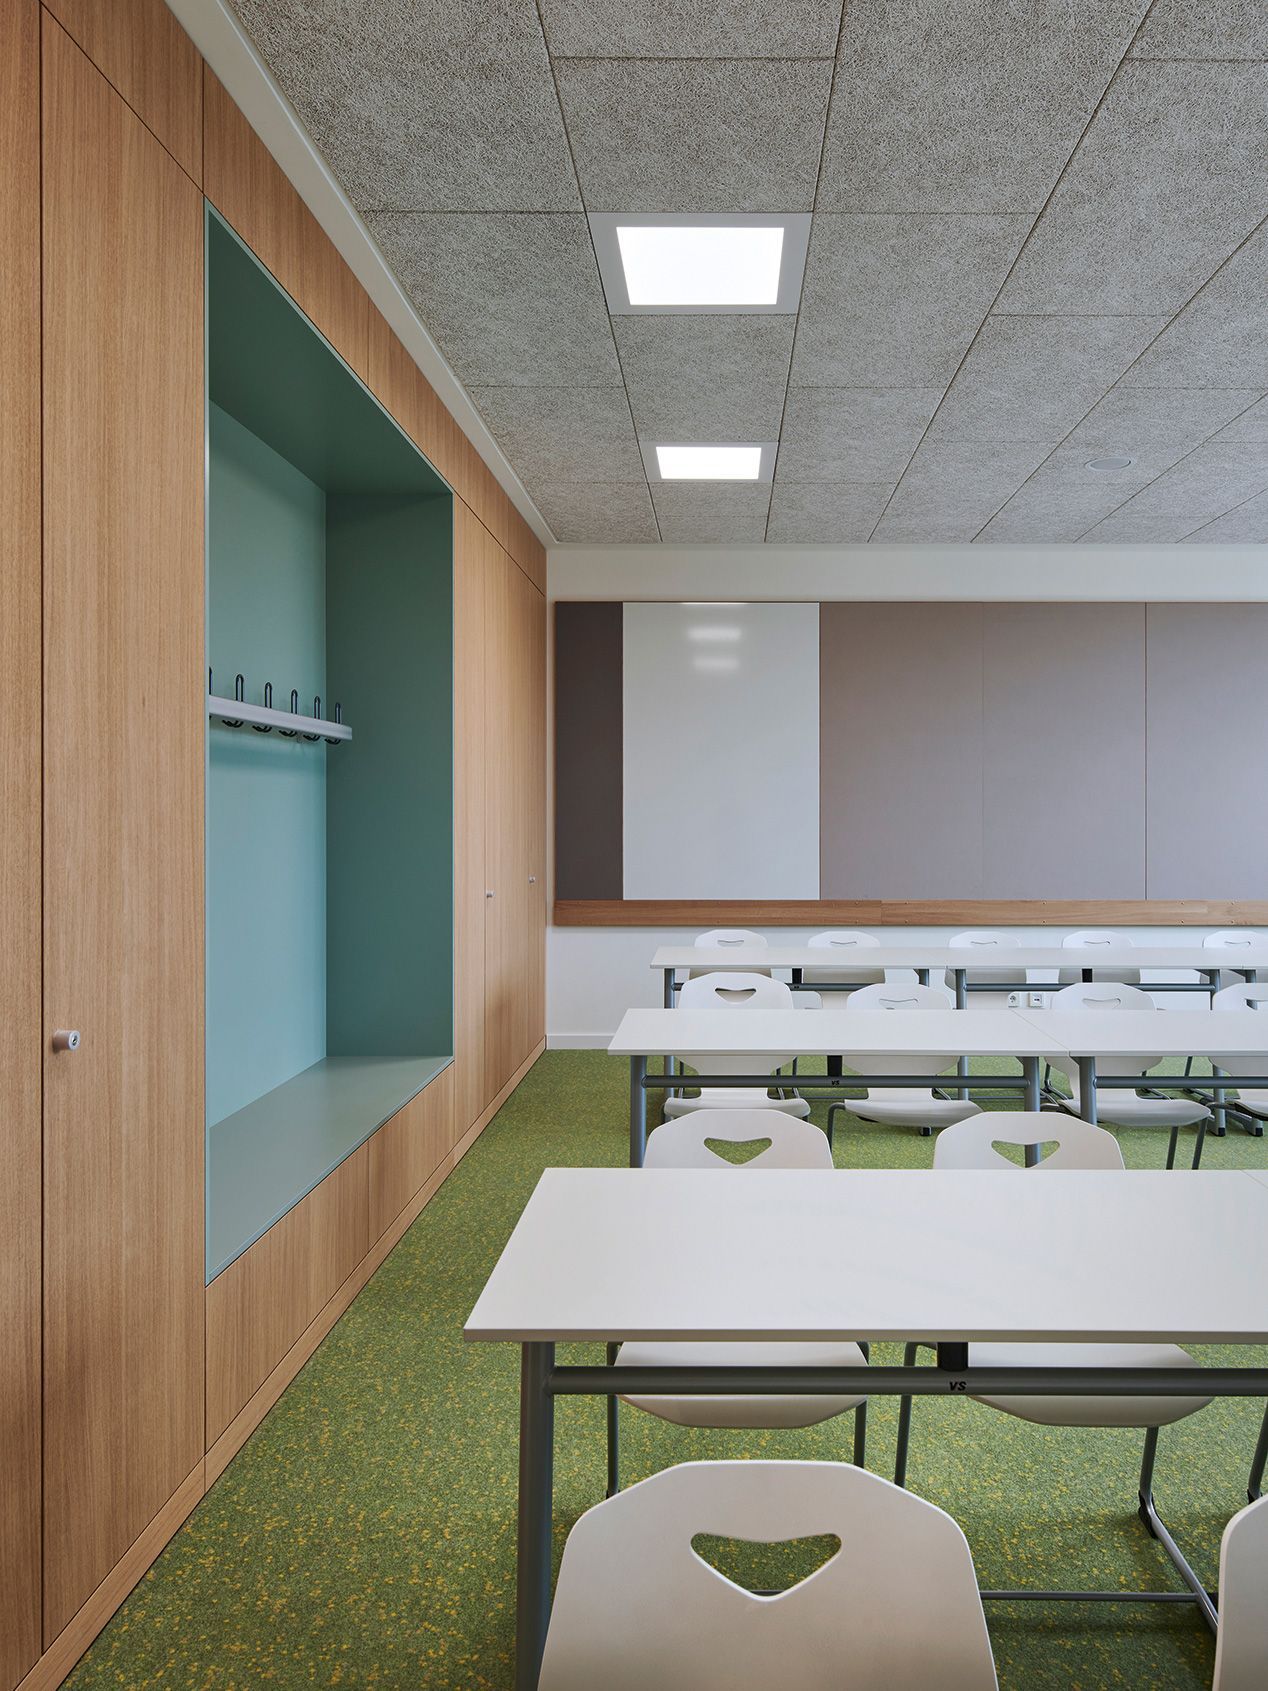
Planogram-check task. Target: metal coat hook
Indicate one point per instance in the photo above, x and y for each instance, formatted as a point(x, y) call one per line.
point(316, 712)
point(291, 733)
point(338, 718)
point(239, 697)
point(265, 727)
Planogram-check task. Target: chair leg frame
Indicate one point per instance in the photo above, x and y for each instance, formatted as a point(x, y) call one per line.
point(1146, 1508)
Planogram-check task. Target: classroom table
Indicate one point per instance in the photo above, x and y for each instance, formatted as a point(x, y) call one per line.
point(927, 958)
point(1223, 1036)
point(833, 1031)
point(949, 1257)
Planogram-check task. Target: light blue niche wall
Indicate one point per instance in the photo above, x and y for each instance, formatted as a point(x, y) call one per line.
point(266, 796)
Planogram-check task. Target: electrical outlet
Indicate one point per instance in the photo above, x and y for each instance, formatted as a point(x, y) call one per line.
point(1035, 1000)
point(1014, 1000)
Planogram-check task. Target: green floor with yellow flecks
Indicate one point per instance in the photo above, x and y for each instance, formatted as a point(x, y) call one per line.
point(365, 1535)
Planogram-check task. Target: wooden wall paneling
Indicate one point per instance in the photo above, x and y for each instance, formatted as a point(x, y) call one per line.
point(471, 590)
point(123, 825)
point(143, 52)
point(263, 1301)
point(20, 874)
point(917, 913)
point(250, 192)
point(536, 714)
point(503, 857)
point(408, 1149)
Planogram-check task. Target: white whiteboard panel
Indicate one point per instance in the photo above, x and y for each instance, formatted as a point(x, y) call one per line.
point(721, 751)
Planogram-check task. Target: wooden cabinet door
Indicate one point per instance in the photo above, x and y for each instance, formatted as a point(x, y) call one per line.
point(123, 826)
point(20, 782)
point(535, 931)
point(471, 592)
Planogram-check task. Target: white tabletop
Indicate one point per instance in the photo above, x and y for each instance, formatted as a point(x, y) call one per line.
point(1126, 1033)
point(934, 956)
point(814, 1033)
point(608, 1254)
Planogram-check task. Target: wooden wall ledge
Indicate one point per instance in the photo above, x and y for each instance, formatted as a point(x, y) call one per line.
point(942, 913)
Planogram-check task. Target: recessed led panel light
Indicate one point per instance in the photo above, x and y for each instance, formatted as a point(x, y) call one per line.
point(709, 463)
point(701, 262)
point(685, 264)
point(1111, 461)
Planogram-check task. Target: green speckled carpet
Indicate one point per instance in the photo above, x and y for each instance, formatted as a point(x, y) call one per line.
point(365, 1535)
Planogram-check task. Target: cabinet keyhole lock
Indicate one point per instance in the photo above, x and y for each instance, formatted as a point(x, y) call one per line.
point(66, 1039)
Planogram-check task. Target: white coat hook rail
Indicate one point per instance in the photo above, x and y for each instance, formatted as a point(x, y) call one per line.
point(291, 724)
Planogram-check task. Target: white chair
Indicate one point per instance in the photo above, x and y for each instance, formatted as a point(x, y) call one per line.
point(1241, 1644)
point(845, 960)
point(1252, 1102)
point(1233, 940)
point(726, 991)
point(1123, 1107)
point(972, 1145)
point(790, 1144)
point(986, 943)
point(895, 1607)
point(728, 939)
point(915, 1106)
point(1097, 939)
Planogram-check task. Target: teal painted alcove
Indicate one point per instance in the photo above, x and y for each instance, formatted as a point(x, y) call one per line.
point(329, 868)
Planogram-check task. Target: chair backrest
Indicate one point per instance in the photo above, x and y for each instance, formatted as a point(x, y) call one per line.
point(682, 1142)
point(1094, 939)
point(1246, 995)
point(985, 942)
point(971, 1143)
point(1103, 995)
point(844, 962)
point(1241, 1646)
point(1233, 939)
point(842, 940)
point(720, 989)
point(739, 938)
point(636, 1606)
point(894, 997)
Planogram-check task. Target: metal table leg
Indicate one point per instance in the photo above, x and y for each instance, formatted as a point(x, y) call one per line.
point(670, 996)
point(1030, 1069)
point(961, 1003)
point(537, 1458)
point(638, 1111)
point(1087, 1088)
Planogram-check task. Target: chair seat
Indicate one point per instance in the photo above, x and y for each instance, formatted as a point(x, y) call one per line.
point(1129, 1109)
point(1089, 1411)
point(741, 1411)
point(914, 1106)
point(736, 1098)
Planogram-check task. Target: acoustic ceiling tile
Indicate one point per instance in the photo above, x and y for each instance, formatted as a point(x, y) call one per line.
point(695, 135)
point(954, 488)
point(711, 512)
point(706, 378)
point(826, 514)
point(1251, 425)
point(970, 107)
point(1050, 511)
point(510, 300)
point(557, 434)
point(1129, 417)
point(1219, 339)
point(852, 434)
point(1244, 525)
point(1205, 485)
point(893, 301)
point(684, 29)
point(423, 108)
point(600, 513)
point(1204, 29)
point(1034, 378)
point(1166, 182)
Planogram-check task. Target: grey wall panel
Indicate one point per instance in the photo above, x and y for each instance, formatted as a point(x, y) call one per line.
point(588, 797)
point(1064, 751)
point(901, 751)
point(1207, 755)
